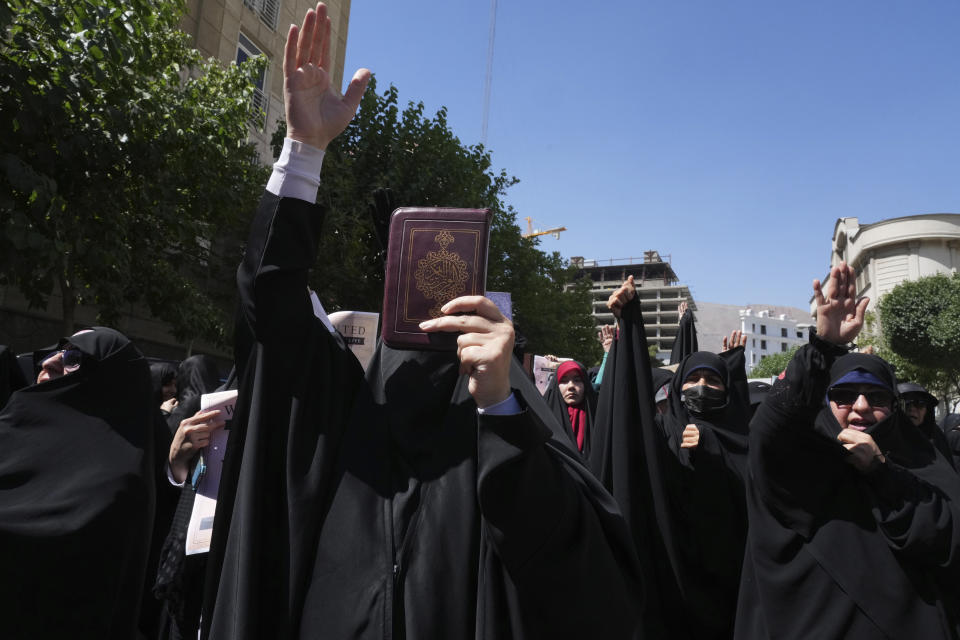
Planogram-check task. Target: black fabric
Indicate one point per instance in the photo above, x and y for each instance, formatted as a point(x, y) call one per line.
point(660, 377)
point(196, 376)
point(27, 367)
point(11, 377)
point(832, 552)
point(686, 343)
point(951, 432)
point(758, 393)
point(382, 506)
point(77, 483)
point(685, 510)
point(558, 407)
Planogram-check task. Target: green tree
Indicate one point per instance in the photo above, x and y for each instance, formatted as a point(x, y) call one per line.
point(653, 350)
point(424, 164)
point(773, 364)
point(919, 333)
point(123, 157)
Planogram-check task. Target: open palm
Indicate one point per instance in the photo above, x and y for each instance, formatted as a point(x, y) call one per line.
point(316, 112)
point(839, 313)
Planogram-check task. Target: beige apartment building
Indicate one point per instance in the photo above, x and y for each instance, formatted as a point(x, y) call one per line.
point(658, 288)
point(234, 30)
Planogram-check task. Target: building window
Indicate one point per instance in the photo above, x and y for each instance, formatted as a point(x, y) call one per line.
point(783, 332)
point(783, 346)
point(863, 278)
point(800, 334)
point(258, 103)
point(753, 358)
point(763, 329)
point(266, 9)
point(754, 343)
point(763, 344)
point(753, 327)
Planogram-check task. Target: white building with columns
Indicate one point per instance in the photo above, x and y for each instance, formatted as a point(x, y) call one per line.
point(888, 252)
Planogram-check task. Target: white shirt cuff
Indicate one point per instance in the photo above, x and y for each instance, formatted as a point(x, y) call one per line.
point(509, 407)
point(296, 173)
point(170, 477)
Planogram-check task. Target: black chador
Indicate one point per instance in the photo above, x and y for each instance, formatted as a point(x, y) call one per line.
point(685, 343)
point(77, 481)
point(685, 507)
point(383, 506)
point(833, 552)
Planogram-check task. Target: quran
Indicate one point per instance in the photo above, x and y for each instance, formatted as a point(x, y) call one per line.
point(434, 255)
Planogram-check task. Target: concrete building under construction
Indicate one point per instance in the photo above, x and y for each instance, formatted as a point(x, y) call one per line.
point(658, 287)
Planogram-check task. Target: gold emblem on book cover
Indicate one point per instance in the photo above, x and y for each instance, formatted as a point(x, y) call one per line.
point(441, 275)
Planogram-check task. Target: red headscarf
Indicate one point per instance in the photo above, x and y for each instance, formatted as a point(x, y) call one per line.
point(578, 417)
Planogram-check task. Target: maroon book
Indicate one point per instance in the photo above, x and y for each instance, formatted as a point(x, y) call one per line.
point(433, 256)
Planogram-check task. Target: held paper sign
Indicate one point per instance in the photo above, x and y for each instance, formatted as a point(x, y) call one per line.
point(543, 369)
point(359, 331)
point(200, 528)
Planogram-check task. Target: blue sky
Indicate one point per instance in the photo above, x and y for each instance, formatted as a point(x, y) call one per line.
point(728, 134)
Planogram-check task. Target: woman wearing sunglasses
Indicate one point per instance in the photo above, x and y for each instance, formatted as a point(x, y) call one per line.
point(854, 515)
point(77, 492)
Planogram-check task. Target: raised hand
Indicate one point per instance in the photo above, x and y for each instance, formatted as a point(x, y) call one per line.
point(839, 314)
point(622, 296)
point(736, 339)
point(605, 335)
point(484, 347)
point(316, 112)
point(682, 308)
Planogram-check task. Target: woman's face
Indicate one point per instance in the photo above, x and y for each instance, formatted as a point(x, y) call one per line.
point(571, 388)
point(169, 390)
point(703, 377)
point(860, 406)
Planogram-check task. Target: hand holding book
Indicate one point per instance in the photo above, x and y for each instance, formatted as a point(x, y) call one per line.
point(484, 347)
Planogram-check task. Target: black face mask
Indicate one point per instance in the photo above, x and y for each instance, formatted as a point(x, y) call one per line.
point(702, 399)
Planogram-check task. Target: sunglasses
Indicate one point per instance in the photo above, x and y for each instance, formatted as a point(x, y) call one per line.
point(848, 397)
point(913, 402)
point(71, 359)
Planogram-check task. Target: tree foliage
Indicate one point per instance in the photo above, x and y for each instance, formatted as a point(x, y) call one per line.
point(919, 333)
point(771, 365)
point(123, 155)
point(424, 164)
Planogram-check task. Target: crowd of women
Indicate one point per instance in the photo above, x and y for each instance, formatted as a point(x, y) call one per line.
point(440, 495)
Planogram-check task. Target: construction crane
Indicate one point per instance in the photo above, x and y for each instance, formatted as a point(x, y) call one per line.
point(488, 80)
point(533, 233)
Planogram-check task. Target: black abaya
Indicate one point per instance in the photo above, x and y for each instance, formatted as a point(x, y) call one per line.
point(11, 377)
point(384, 507)
point(685, 509)
point(833, 552)
point(685, 343)
point(77, 496)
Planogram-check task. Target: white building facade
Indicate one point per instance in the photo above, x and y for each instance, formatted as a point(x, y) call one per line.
point(769, 333)
point(888, 252)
